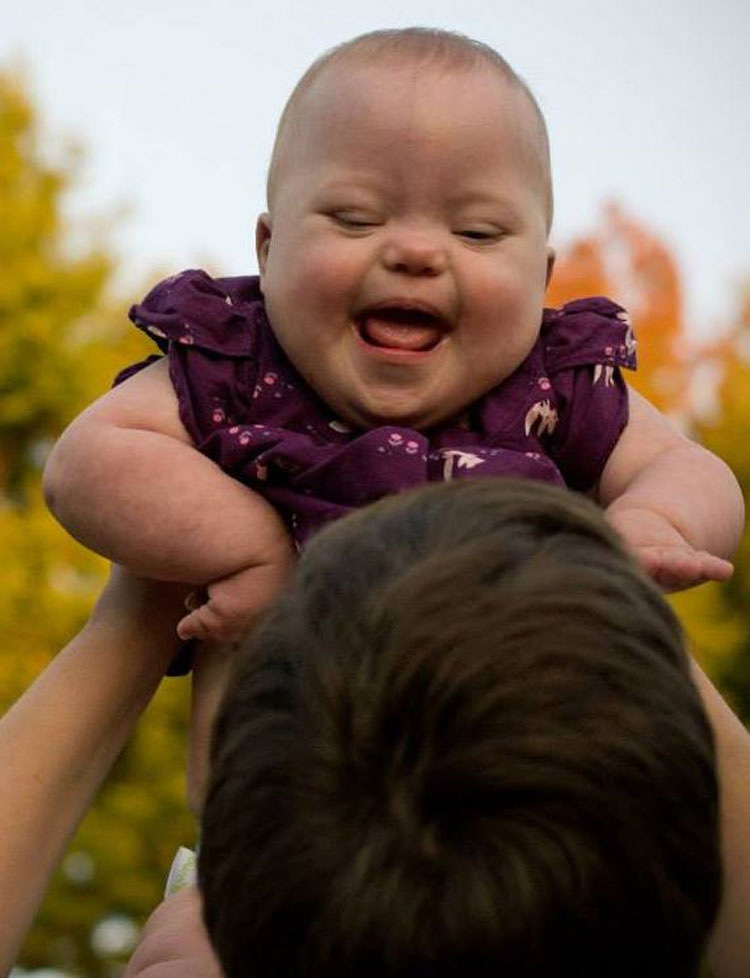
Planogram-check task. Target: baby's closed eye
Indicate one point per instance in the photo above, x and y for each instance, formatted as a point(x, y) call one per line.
point(480, 233)
point(353, 220)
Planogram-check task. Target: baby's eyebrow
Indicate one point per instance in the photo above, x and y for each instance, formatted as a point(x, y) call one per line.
point(346, 180)
point(479, 198)
point(493, 205)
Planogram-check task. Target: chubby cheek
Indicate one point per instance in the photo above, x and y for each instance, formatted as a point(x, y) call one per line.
point(315, 272)
point(506, 319)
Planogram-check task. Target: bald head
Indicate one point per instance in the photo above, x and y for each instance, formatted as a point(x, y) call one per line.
point(422, 49)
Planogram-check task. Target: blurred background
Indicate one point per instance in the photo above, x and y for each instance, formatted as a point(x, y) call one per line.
point(134, 140)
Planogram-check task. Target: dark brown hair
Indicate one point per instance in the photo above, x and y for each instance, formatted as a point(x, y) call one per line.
point(464, 742)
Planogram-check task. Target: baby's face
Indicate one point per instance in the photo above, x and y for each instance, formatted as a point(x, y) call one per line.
point(404, 260)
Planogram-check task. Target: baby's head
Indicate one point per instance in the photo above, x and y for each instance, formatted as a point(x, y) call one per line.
point(404, 255)
point(464, 742)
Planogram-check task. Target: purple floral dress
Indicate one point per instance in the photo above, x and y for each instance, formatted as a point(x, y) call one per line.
point(556, 418)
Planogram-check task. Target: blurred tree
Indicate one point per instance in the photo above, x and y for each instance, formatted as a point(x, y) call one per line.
point(722, 423)
point(625, 261)
point(705, 388)
point(60, 344)
point(45, 288)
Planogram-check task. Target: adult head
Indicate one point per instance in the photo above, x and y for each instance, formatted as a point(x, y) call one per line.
point(463, 741)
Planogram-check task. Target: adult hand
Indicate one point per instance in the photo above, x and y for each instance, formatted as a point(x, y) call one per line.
point(130, 601)
point(59, 740)
point(174, 942)
point(233, 606)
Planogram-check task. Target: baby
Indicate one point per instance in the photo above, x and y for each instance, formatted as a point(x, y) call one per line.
point(396, 335)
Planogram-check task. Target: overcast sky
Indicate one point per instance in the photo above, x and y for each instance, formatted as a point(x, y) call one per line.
point(648, 103)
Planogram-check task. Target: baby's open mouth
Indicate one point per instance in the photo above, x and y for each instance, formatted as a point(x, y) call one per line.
point(401, 329)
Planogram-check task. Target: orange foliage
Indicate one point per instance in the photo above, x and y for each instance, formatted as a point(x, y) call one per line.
point(628, 263)
point(706, 386)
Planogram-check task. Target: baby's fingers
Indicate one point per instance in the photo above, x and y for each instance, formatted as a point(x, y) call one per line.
point(215, 614)
point(200, 624)
point(675, 569)
point(207, 622)
point(715, 568)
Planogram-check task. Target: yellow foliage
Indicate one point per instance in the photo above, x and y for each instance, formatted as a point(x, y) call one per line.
point(726, 431)
point(62, 339)
point(714, 632)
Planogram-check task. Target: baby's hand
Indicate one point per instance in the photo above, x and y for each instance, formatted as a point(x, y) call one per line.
point(665, 555)
point(223, 610)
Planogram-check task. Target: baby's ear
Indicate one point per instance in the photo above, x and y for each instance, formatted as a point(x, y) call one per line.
point(262, 242)
point(550, 264)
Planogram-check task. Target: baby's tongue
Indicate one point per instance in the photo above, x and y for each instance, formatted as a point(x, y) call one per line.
point(401, 330)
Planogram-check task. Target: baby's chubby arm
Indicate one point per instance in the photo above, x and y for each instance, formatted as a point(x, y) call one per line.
point(126, 481)
point(677, 505)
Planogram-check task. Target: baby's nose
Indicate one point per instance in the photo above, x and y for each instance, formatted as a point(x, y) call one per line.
point(414, 253)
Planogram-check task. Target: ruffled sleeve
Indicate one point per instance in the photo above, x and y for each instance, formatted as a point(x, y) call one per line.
point(192, 309)
point(214, 332)
point(585, 344)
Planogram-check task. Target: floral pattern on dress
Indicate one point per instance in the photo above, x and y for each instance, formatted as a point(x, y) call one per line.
point(556, 418)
